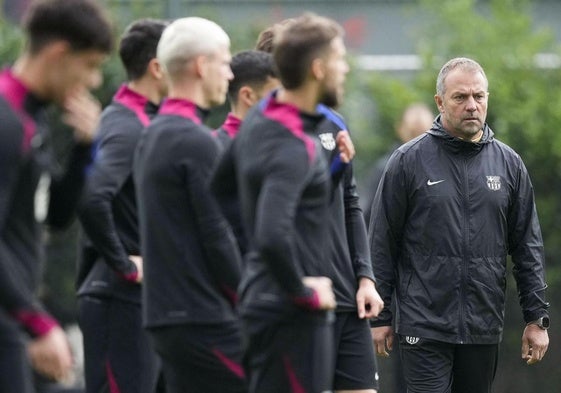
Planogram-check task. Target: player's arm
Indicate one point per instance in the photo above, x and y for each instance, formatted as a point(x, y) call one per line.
point(219, 243)
point(356, 229)
point(109, 171)
point(17, 299)
point(279, 197)
point(369, 302)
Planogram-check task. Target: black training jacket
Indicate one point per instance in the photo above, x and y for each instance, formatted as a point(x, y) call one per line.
point(276, 166)
point(108, 208)
point(191, 259)
point(446, 215)
point(25, 160)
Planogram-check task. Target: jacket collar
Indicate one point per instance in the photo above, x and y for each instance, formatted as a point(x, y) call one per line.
point(457, 145)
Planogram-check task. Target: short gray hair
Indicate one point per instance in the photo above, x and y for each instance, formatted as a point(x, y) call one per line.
point(187, 38)
point(463, 63)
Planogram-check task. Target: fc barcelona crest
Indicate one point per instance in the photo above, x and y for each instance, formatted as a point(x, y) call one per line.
point(411, 340)
point(494, 183)
point(327, 141)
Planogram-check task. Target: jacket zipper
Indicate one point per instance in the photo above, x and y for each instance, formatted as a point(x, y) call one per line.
point(465, 245)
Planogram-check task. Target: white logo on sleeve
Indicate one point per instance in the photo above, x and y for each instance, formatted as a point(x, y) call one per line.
point(432, 183)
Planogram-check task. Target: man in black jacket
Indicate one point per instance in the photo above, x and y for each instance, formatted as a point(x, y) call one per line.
point(116, 347)
point(67, 41)
point(451, 205)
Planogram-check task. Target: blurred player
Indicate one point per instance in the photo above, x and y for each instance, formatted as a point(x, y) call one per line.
point(66, 43)
point(116, 348)
point(254, 77)
point(283, 182)
point(348, 252)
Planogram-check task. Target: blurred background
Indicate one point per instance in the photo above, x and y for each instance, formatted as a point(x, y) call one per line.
point(396, 48)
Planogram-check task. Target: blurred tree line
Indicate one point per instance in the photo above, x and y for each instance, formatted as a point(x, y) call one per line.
point(524, 112)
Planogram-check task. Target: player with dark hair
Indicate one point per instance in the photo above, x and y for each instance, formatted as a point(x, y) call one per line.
point(117, 351)
point(283, 182)
point(254, 77)
point(66, 43)
point(348, 252)
point(192, 262)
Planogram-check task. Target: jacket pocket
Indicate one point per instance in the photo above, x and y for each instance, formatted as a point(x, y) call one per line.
point(486, 294)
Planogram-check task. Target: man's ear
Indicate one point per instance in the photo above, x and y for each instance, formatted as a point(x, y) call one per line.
point(56, 50)
point(247, 95)
point(199, 63)
point(438, 101)
point(155, 69)
point(318, 69)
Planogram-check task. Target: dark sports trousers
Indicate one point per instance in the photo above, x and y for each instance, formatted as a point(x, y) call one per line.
point(201, 358)
point(293, 356)
point(355, 363)
point(112, 333)
point(437, 367)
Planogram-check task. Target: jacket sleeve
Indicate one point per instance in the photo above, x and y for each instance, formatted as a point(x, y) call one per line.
point(275, 214)
point(17, 299)
point(526, 248)
point(356, 229)
point(219, 243)
point(385, 232)
point(111, 168)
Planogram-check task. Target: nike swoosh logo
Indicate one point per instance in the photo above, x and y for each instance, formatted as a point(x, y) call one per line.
point(432, 183)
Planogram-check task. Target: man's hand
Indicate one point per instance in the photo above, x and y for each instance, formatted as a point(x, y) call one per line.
point(50, 354)
point(137, 260)
point(324, 290)
point(345, 146)
point(368, 301)
point(383, 340)
point(535, 341)
point(82, 112)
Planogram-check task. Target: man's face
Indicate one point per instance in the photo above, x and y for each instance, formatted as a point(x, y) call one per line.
point(464, 104)
point(216, 77)
point(336, 67)
point(75, 71)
